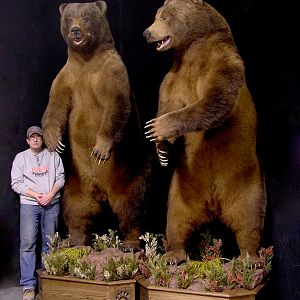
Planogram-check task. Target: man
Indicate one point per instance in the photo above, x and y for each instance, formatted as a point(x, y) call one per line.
point(37, 175)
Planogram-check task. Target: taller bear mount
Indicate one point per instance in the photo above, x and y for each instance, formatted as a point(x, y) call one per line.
point(205, 105)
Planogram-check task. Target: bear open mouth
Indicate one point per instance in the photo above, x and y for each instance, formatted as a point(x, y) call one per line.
point(80, 41)
point(163, 43)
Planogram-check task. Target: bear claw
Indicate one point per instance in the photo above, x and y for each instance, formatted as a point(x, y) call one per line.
point(148, 123)
point(163, 157)
point(98, 157)
point(101, 160)
point(60, 148)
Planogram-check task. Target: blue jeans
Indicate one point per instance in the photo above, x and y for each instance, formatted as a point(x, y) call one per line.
point(33, 217)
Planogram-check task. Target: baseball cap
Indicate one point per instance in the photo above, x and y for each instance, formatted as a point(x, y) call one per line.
point(34, 129)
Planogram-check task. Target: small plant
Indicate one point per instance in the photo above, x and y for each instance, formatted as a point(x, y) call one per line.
point(200, 268)
point(266, 256)
point(212, 251)
point(160, 271)
point(102, 242)
point(85, 270)
point(244, 272)
point(143, 266)
point(185, 274)
point(122, 268)
point(215, 278)
point(73, 255)
point(55, 263)
point(153, 247)
point(54, 242)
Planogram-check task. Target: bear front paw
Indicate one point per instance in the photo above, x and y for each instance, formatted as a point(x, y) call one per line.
point(176, 255)
point(52, 141)
point(131, 246)
point(57, 146)
point(102, 151)
point(162, 128)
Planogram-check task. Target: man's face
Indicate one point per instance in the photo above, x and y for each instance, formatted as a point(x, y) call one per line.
point(35, 142)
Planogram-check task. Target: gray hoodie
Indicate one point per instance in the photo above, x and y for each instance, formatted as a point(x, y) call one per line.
point(38, 172)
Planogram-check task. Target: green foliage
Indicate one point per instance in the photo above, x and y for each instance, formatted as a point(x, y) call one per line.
point(185, 274)
point(64, 260)
point(215, 277)
point(154, 244)
point(122, 268)
point(54, 242)
point(106, 241)
point(200, 268)
point(85, 270)
point(243, 271)
point(73, 255)
point(214, 272)
point(160, 271)
point(55, 263)
point(266, 256)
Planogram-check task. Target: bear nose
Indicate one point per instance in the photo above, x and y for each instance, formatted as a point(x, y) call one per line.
point(147, 34)
point(75, 30)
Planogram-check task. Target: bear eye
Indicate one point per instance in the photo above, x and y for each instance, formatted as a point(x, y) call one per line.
point(85, 18)
point(69, 19)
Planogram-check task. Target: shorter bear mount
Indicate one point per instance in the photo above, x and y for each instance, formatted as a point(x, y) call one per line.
point(91, 97)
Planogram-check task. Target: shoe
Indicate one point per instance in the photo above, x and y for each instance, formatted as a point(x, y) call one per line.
point(29, 294)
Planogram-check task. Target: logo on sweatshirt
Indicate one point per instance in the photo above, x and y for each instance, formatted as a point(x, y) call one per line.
point(40, 171)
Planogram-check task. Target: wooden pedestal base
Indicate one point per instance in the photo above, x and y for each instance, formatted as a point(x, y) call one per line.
point(153, 292)
point(70, 288)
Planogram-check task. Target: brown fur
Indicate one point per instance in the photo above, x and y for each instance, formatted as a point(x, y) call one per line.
point(205, 104)
point(91, 97)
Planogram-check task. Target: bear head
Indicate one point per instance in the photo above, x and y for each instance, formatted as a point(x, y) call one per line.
point(179, 22)
point(84, 26)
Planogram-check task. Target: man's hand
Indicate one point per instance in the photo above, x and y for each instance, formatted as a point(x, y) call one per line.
point(45, 199)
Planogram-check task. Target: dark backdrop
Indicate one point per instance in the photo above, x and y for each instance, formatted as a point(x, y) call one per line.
point(267, 35)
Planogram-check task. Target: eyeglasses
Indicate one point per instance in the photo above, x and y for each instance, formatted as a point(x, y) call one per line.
point(33, 137)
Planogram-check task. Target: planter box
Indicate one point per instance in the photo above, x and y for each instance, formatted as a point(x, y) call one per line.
point(154, 292)
point(66, 288)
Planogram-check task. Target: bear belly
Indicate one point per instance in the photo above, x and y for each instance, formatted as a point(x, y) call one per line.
point(208, 162)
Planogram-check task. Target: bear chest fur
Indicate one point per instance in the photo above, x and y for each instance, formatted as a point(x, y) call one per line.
point(194, 71)
point(91, 84)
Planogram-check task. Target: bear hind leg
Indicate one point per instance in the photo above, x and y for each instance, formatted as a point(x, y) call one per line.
point(182, 220)
point(79, 208)
point(130, 213)
point(246, 219)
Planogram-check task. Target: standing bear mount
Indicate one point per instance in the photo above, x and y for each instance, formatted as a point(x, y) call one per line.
point(90, 100)
point(206, 109)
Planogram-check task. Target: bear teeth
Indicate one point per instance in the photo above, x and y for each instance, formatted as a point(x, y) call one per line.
point(161, 43)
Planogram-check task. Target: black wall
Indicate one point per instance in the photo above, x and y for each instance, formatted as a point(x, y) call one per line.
point(32, 52)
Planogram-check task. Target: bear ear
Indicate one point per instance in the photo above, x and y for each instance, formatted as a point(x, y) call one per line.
point(62, 7)
point(102, 5)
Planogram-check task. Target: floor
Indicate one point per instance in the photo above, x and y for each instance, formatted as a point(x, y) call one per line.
point(11, 293)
